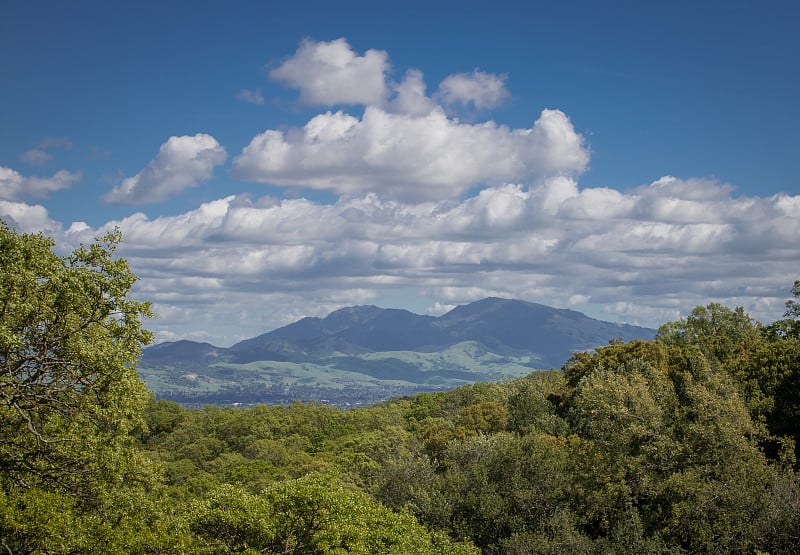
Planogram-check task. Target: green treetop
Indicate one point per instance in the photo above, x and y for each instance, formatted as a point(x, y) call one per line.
point(69, 337)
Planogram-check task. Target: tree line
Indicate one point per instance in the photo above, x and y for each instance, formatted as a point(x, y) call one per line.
point(684, 444)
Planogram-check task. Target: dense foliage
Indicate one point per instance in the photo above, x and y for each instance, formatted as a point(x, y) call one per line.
point(684, 444)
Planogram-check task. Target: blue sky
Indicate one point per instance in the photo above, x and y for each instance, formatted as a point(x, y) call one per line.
point(271, 160)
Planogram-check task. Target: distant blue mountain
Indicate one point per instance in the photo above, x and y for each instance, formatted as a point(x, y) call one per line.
point(501, 326)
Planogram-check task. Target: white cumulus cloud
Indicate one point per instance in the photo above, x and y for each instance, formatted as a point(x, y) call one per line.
point(410, 158)
point(328, 73)
point(181, 163)
point(27, 218)
point(403, 145)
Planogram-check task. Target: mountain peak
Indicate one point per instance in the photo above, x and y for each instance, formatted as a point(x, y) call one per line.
point(350, 315)
point(394, 349)
point(492, 304)
point(355, 310)
point(499, 324)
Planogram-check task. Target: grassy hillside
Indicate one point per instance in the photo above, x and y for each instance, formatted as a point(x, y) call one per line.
point(339, 379)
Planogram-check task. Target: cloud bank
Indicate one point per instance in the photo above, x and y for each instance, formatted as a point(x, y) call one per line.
point(644, 256)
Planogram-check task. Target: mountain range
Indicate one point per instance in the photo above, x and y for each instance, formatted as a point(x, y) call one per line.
point(363, 354)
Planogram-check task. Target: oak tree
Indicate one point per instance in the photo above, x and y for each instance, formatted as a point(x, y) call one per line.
point(70, 335)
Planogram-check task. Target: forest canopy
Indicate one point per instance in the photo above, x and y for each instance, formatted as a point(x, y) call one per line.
point(683, 444)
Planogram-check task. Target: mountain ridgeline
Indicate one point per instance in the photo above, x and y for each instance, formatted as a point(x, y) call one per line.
point(362, 354)
point(499, 325)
